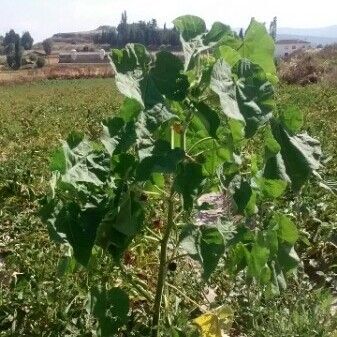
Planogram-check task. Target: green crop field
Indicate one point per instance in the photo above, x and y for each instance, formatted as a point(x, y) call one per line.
point(42, 294)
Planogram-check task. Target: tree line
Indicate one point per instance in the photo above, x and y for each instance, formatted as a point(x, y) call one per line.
point(13, 46)
point(146, 33)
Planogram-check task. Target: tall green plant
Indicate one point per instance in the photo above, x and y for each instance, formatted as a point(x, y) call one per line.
point(186, 128)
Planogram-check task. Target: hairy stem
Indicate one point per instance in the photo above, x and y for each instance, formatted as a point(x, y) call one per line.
point(162, 268)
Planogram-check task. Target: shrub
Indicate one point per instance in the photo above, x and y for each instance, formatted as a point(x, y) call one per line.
point(184, 131)
point(301, 69)
point(41, 62)
point(47, 46)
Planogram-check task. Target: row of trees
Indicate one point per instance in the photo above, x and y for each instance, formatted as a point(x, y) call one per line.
point(146, 33)
point(13, 46)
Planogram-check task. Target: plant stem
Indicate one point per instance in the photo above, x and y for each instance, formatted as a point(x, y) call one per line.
point(199, 142)
point(162, 268)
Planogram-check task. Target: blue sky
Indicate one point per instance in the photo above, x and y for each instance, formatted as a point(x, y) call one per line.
point(43, 18)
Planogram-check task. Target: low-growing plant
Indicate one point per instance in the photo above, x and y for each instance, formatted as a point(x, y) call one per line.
point(185, 129)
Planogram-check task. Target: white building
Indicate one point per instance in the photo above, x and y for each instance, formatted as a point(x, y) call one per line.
point(286, 47)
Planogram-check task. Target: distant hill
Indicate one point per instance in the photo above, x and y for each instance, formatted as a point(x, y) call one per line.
point(324, 35)
point(78, 40)
point(326, 32)
point(78, 37)
point(316, 36)
point(314, 40)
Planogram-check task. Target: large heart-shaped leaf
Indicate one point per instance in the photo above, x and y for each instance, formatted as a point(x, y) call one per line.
point(258, 46)
point(299, 156)
point(255, 95)
point(223, 85)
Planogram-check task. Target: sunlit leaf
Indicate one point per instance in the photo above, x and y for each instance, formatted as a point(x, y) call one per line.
point(215, 323)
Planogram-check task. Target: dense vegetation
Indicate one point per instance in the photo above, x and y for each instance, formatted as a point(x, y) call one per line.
point(139, 179)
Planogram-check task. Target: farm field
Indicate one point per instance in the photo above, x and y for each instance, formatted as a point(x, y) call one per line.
point(43, 295)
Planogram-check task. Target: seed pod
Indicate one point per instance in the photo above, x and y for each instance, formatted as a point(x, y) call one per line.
point(172, 266)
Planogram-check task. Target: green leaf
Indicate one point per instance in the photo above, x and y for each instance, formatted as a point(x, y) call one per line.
point(299, 157)
point(258, 46)
point(272, 188)
point(208, 117)
point(119, 226)
point(287, 230)
point(288, 258)
point(292, 119)
point(230, 55)
point(212, 248)
point(168, 78)
point(133, 56)
point(129, 110)
point(110, 308)
point(222, 84)
point(217, 32)
point(257, 263)
point(244, 197)
point(272, 147)
point(255, 95)
point(195, 40)
point(125, 165)
point(78, 228)
point(117, 136)
point(133, 79)
point(219, 156)
point(58, 161)
point(205, 244)
point(237, 258)
point(189, 26)
point(148, 122)
point(128, 85)
point(188, 182)
point(162, 160)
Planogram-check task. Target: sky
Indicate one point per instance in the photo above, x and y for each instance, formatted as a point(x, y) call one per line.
point(43, 18)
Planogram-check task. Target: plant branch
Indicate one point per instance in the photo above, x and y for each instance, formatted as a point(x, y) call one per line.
point(199, 142)
point(162, 267)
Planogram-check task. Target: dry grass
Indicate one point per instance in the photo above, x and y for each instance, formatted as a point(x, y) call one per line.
point(305, 68)
point(57, 71)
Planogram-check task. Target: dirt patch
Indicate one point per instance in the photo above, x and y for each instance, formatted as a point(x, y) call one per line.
point(56, 71)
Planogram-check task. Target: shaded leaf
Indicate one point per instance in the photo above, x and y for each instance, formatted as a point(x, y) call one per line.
point(217, 32)
point(299, 157)
point(110, 308)
point(208, 117)
point(189, 26)
point(222, 84)
point(255, 95)
point(188, 182)
point(167, 76)
point(292, 119)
